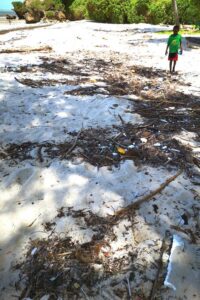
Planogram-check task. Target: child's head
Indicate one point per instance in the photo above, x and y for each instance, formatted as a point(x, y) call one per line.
point(176, 29)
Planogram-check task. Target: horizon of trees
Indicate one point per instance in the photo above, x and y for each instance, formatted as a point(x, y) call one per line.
point(120, 11)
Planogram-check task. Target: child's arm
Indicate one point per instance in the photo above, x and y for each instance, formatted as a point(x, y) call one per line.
point(166, 51)
point(168, 43)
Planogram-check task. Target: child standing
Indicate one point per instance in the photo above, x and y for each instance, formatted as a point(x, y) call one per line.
point(174, 44)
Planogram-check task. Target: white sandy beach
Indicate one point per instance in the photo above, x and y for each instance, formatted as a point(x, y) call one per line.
point(31, 190)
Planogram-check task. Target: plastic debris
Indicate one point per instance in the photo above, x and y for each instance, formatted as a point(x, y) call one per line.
point(121, 150)
point(143, 140)
point(157, 144)
point(115, 154)
point(177, 242)
point(34, 251)
point(131, 146)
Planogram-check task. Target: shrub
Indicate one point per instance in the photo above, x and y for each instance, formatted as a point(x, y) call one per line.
point(46, 5)
point(50, 5)
point(116, 11)
point(35, 5)
point(20, 9)
point(138, 11)
point(50, 14)
point(77, 9)
point(111, 11)
point(189, 11)
point(160, 12)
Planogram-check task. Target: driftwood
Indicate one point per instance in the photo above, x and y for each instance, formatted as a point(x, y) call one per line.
point(122, 212)
point(22, 50)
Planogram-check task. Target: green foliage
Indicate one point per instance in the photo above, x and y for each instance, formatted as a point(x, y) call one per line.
point(111, 11)
point(35, 5)
point(118, 11)
point(138, 11)
point(50, 5)
point(160, 12)
point(197, 26)
point(46, 5)
point(50, 15)
point(189, 11)
point(77, 9)
point(19, 8)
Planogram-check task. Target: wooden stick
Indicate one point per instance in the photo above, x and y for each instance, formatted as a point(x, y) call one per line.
point(73, 146)
point(64, 253)
point(84, 293)
point(120, 213)
point(31, 224)
point(165, 248)
point(129, 288)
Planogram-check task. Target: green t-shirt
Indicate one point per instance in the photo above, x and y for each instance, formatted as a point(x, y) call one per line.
point(174, 43)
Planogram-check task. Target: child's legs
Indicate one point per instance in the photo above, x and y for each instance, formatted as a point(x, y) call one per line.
point(174, 65)
point(170, 65)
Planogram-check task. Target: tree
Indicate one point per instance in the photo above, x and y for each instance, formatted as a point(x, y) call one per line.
point(175, 8)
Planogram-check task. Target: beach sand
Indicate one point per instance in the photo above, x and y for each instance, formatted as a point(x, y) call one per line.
point(37, 109)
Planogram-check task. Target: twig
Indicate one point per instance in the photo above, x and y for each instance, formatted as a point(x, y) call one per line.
point(25, 292)
point(73, 146)
point(120, 213)
point(123, 124)
point(84, 293)
point(64, 253)
point(129, 288)
point(117, 136)
point(160, 267)
point(31, 224)
point(186, 231)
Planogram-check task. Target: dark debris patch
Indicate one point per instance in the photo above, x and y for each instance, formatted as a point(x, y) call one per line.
point(60, 268)
point(49, 82)
point(150, 144)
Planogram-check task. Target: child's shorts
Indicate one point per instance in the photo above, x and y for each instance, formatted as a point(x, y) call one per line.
point(173, 56)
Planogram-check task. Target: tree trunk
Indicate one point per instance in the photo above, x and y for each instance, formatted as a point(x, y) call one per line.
point(176, 16)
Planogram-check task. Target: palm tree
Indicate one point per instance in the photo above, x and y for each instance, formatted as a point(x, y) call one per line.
point(175, 8)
